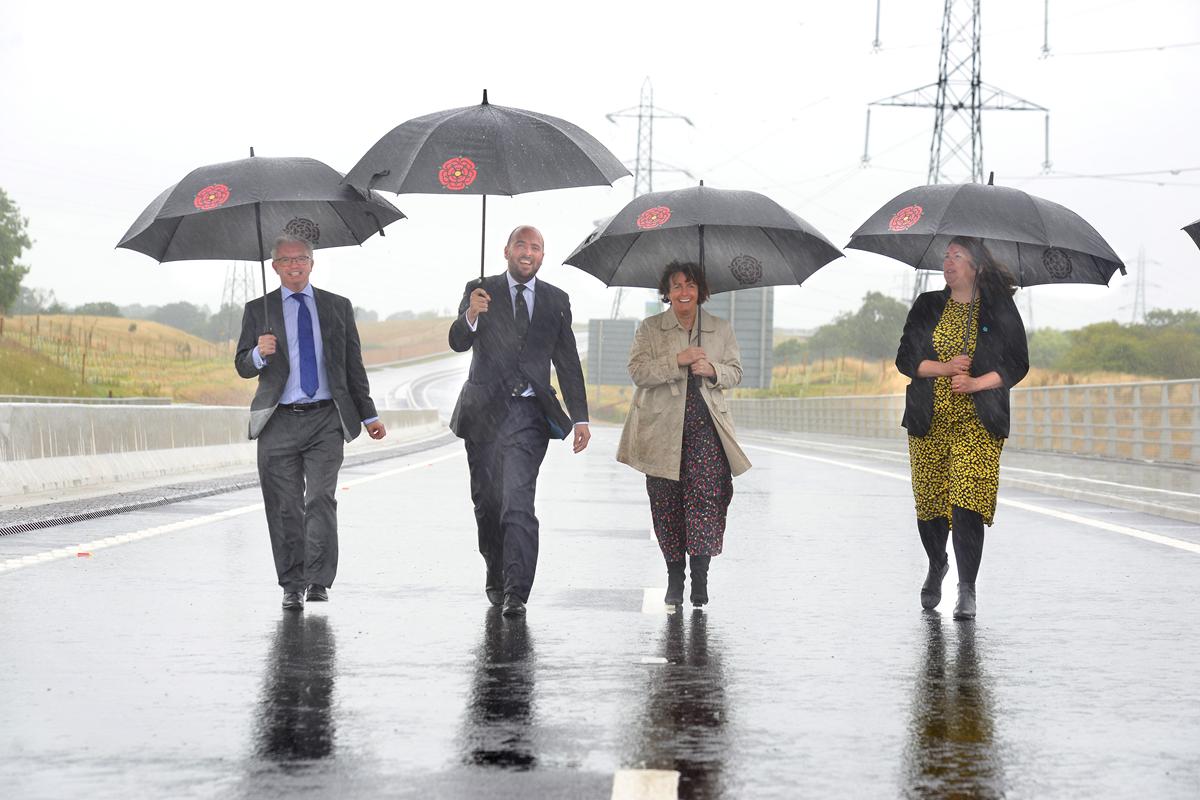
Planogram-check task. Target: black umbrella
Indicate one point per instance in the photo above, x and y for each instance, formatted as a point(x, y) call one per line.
point(1039, 241)
point(485, 149)
point(1193, 231)
point(235, 210)
point(741, 239)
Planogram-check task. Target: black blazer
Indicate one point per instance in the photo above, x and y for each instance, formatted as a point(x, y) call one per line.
point(499, 360)
point(1000, 347)
point(343, 360)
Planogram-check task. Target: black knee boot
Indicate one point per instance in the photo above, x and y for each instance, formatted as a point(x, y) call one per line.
point(968, 552)
point(676, 575)
point(934, 533)
point(700, 579)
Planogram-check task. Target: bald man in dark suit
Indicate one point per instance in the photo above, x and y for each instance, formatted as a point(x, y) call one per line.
point(516, 326)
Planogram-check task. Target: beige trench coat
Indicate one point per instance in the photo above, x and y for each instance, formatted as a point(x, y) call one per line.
point(652, 440)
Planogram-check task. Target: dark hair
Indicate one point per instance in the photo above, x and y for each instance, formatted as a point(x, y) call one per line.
point(994, 277)
point(691, 271)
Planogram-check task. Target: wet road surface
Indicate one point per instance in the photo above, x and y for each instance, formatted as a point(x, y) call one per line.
point(162, 665)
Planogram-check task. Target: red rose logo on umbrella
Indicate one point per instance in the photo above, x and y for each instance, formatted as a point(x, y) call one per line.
point(653, 217)
point(211, 196)
point(905, 218)
point(1057, 262)
point(747, 269)
point(304, 228)
point(457, 173)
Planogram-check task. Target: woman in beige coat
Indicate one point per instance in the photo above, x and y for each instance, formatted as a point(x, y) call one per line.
point(679, 431)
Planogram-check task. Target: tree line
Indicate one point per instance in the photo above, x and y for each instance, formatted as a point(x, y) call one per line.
point(1166, 344)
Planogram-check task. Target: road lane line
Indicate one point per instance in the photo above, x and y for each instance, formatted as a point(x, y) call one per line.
point(652, 602)
point(645, 784)
point(1137, 533)
point(1158, 538)
point(898, 454)
point(110, 541)
point(389, 473)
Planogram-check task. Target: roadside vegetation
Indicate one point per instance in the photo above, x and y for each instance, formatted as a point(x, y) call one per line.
point(855, 355)
point(62, 355)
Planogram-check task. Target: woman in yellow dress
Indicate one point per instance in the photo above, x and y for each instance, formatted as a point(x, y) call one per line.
point(964, 347)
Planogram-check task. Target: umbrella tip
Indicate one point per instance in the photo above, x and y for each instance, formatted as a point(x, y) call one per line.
point(991, 179)
point(485, 102)
point(701, 181)
point(252, 152)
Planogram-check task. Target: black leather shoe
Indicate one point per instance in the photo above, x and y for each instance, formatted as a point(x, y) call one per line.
point(294, 600)
point(317, 593)
point(931, 590)
point(513, 606)
point(965, 607)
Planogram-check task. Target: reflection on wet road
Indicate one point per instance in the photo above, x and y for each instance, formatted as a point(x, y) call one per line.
point(498, 726)
point(294, 720)
point(682, 725)
point(952, 750)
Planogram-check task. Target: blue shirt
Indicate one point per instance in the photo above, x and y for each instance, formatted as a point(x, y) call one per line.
point(292, 393)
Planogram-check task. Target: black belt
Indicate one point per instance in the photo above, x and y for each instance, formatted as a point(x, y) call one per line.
point(301, 408)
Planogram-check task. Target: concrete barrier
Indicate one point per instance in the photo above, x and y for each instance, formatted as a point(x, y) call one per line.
point(70, 446)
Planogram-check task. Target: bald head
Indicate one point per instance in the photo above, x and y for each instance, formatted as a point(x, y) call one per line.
point(524, 253)
point(523, 229)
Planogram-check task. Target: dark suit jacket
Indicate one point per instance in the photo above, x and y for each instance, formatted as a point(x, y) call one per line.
point(343, 360)
point(499, 360)
point(1001, 347)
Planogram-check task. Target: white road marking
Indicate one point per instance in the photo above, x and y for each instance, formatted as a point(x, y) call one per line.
point(901, 454)
point(645, 784)
point(1157, 538)
point(652, 601)
point(100, 544)
point(1137, 533)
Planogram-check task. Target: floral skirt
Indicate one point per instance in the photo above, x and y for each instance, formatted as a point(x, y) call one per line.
point(689, 514)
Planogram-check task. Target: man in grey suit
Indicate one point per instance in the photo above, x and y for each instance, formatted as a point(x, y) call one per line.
point(516, 325)
point(312, 397)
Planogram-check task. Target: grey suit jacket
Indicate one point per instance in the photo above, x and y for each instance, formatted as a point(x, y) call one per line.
point(498, 359)
point(343, 360)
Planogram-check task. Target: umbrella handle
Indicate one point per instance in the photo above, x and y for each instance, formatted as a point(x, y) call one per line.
point(971, 309)
point(483, 232)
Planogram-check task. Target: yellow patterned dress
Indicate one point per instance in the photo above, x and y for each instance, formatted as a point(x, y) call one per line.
point(958, 462)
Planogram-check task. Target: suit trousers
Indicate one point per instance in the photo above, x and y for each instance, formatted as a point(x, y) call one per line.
point(299, 454)
point(504, 476)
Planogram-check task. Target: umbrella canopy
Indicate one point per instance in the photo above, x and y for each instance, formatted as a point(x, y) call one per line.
point(485, 149)
point(235, 210)
point(1193, 231)
point(741, 239)
point(1038, 241)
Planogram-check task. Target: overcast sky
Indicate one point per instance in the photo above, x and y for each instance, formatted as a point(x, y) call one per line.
point(104, 105)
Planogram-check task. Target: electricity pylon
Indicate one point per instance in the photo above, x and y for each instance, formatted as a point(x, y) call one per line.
point(239, 290)
point(959, 99)
point(643, 168)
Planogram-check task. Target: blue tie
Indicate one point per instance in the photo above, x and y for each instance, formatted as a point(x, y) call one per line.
point(308, 349)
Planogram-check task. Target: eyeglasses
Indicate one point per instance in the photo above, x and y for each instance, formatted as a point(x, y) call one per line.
point(300, 261)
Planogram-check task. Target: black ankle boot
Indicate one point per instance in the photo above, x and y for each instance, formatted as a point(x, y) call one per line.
point(700, 579)
point(931, 590)
point(676, 575)
point(965, 607)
